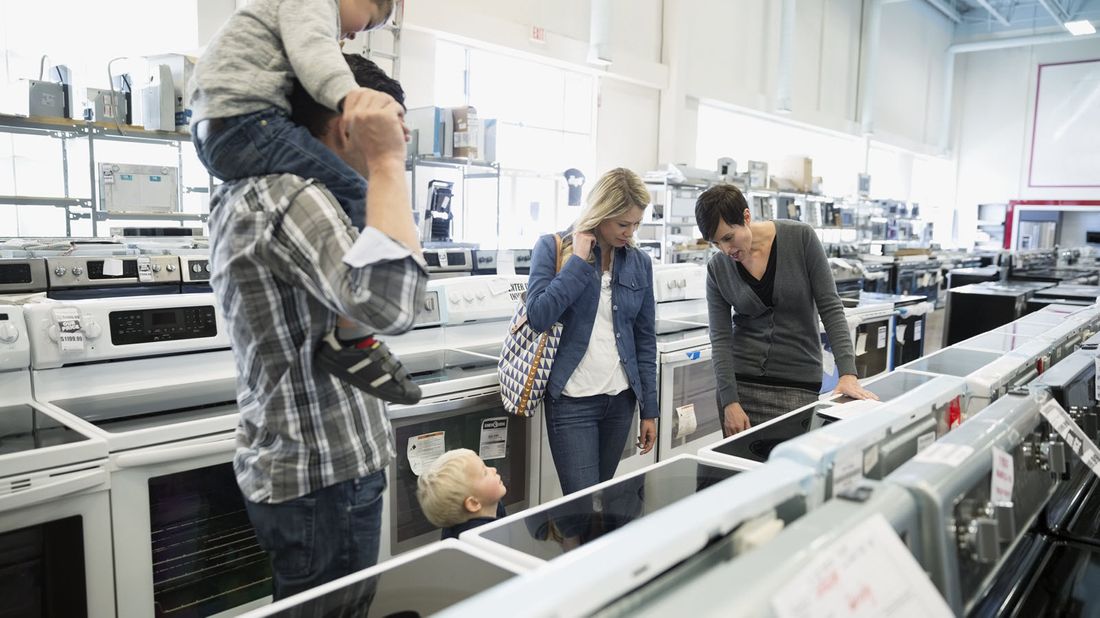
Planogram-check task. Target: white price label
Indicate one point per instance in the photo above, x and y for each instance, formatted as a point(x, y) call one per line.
point(112, 267)
point(946, 454)
point(847, 470)
point(70, 336)
point(1003, 477)
point(925, 441)
point(686, 423)
point(917, 330)
point(866, 572)
point(881, 337)
point(494, 438)
point(506, 263)
point(423, 450)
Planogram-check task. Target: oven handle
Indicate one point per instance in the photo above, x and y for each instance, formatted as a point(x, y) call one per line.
point(72, 484)
point(166, 455)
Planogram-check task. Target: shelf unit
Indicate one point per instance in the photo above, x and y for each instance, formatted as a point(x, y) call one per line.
point(67, 131)
point(672, 216)
point(461, 172)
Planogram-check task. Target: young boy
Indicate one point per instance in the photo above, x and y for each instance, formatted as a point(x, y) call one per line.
point(459, 492)
point(241, 128)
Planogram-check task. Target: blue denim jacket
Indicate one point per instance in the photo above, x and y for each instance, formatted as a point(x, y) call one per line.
point(572, 298)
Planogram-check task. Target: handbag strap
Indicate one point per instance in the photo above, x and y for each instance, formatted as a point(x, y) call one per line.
point(557, 266)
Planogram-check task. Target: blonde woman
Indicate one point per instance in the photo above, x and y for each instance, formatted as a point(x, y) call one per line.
point(606, 364)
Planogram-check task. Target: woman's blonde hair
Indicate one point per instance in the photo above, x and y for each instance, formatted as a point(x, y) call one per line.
point(443, 488)
point(616, 193)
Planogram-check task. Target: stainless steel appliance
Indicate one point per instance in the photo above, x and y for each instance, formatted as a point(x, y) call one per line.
point(971, 516)
point(872, 445)
point(76, 277)
point(958, 277)
point(745, 512)
point(455, 364)
point(153, 377)
point(685, 372)
point(988, 374)
point(552, 530)
point(55, 518)
point(1064, 294)
point(919, 276)
point(703, 584)
point(974, 309)
point(848, 277)
point(22, 275)
point(878, 274)
point(448, 262)
point(871, 328)
point(421, 582)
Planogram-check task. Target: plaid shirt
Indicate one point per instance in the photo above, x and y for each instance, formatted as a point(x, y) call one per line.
point(278, 246)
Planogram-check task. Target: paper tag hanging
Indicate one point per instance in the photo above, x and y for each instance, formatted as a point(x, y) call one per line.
point(70, 336)
point(686, 422)
point(423, 450)
point(494, 438)
point(1003, 477)
point(144, 269)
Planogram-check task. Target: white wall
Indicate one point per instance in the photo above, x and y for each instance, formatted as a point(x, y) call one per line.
point(995, 107)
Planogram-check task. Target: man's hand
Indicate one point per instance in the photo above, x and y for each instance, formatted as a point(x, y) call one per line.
point(647, 435)
point(375, 125)
point(734, 420)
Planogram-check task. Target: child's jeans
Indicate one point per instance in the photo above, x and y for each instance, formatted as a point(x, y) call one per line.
point(268, 142)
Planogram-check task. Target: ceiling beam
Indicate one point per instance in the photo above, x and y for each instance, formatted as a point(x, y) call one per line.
point(992, 11)
point(1056, 11)
point(947, 9)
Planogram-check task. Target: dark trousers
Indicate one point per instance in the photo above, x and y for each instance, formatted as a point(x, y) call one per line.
point(587, 436)
point(321, 536)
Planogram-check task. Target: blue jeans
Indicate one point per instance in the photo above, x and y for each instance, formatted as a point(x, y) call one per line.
point(321, 536)
point(587, 436)
point(268, 142)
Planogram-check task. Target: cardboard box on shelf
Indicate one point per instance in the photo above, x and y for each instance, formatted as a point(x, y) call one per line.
point(797, 171)
point(758, 175)
point(466, 132)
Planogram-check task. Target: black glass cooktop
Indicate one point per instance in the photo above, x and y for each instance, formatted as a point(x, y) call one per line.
point(549, 533)
point(757, 445)
point(442, 365)
point(22, 428)
point(421, 587)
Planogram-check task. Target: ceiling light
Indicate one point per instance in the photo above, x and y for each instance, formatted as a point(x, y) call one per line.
point(1080, 27)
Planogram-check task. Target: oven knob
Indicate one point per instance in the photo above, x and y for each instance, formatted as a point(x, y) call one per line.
point(59, 271)
point(8, 332)
point(196, 268)
point(77, 271)
point(170, 267)
point(92, 329)
point(53, 331)
point(206, 266)
point(156, 268)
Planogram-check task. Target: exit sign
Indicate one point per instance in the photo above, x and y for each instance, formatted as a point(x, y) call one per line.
point(538, 34)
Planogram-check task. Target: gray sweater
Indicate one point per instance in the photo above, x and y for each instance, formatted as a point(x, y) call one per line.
point(251, 63)
point(780, 342)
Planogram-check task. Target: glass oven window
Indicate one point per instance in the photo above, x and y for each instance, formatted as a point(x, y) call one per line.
point(42, 570)
point(462, 428)
point(205, 555)
point(695, 385)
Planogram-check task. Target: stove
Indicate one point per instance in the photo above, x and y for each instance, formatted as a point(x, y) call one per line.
point(421, 582)
point(751, 448)
point(744, 512)
point(910, 313)
point(871, 329)
point(551, 530)
point(973, 309)
point(153, 377)
point(55, 524)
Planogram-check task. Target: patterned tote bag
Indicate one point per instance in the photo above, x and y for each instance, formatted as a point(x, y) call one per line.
point(526, 359)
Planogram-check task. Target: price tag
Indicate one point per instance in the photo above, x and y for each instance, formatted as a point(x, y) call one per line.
point(494, 438)
point(881, 337)
point(847, 470)
point(925, 441)
point(112, 267)
point(866, 572)
point(70, 337)
point(946, 454)
point(686, 421)
point(917, 330)
point(144, 269)
point(506, 263)
point(1060, 420)
point(1000, 488)
point(423, 450)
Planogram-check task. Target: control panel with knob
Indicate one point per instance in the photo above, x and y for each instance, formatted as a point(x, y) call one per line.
point(14, 343)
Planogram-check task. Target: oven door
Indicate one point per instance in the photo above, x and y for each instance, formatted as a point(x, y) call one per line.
point(689, 406)
point(55, 544)
point(475, 420)
point(874, 342)
point(184, 545)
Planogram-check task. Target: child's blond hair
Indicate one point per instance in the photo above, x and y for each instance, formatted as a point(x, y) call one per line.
point(442, 489)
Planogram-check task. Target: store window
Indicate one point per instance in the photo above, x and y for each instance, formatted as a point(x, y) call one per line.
point(545, 124)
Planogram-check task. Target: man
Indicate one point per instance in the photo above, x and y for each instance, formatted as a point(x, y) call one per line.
point(312, 449)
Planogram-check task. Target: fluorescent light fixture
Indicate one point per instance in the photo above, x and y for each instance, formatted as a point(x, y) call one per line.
point(1080, 27)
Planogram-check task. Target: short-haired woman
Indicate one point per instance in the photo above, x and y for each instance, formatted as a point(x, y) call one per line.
point(775, 277)
point(606, 363)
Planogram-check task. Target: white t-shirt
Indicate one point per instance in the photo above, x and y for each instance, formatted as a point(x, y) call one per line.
point(600, 372)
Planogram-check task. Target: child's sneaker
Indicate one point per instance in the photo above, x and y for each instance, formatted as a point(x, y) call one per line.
point(368, 364)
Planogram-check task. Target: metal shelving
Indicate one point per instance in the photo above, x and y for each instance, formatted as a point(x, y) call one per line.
point(67, 130)
point(468, 169)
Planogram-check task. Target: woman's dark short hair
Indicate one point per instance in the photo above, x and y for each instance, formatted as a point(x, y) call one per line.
point(720, 202)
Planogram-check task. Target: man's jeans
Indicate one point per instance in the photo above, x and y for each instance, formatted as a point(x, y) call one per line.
point(587, 436)
point(268, 142)
point(321, 536)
